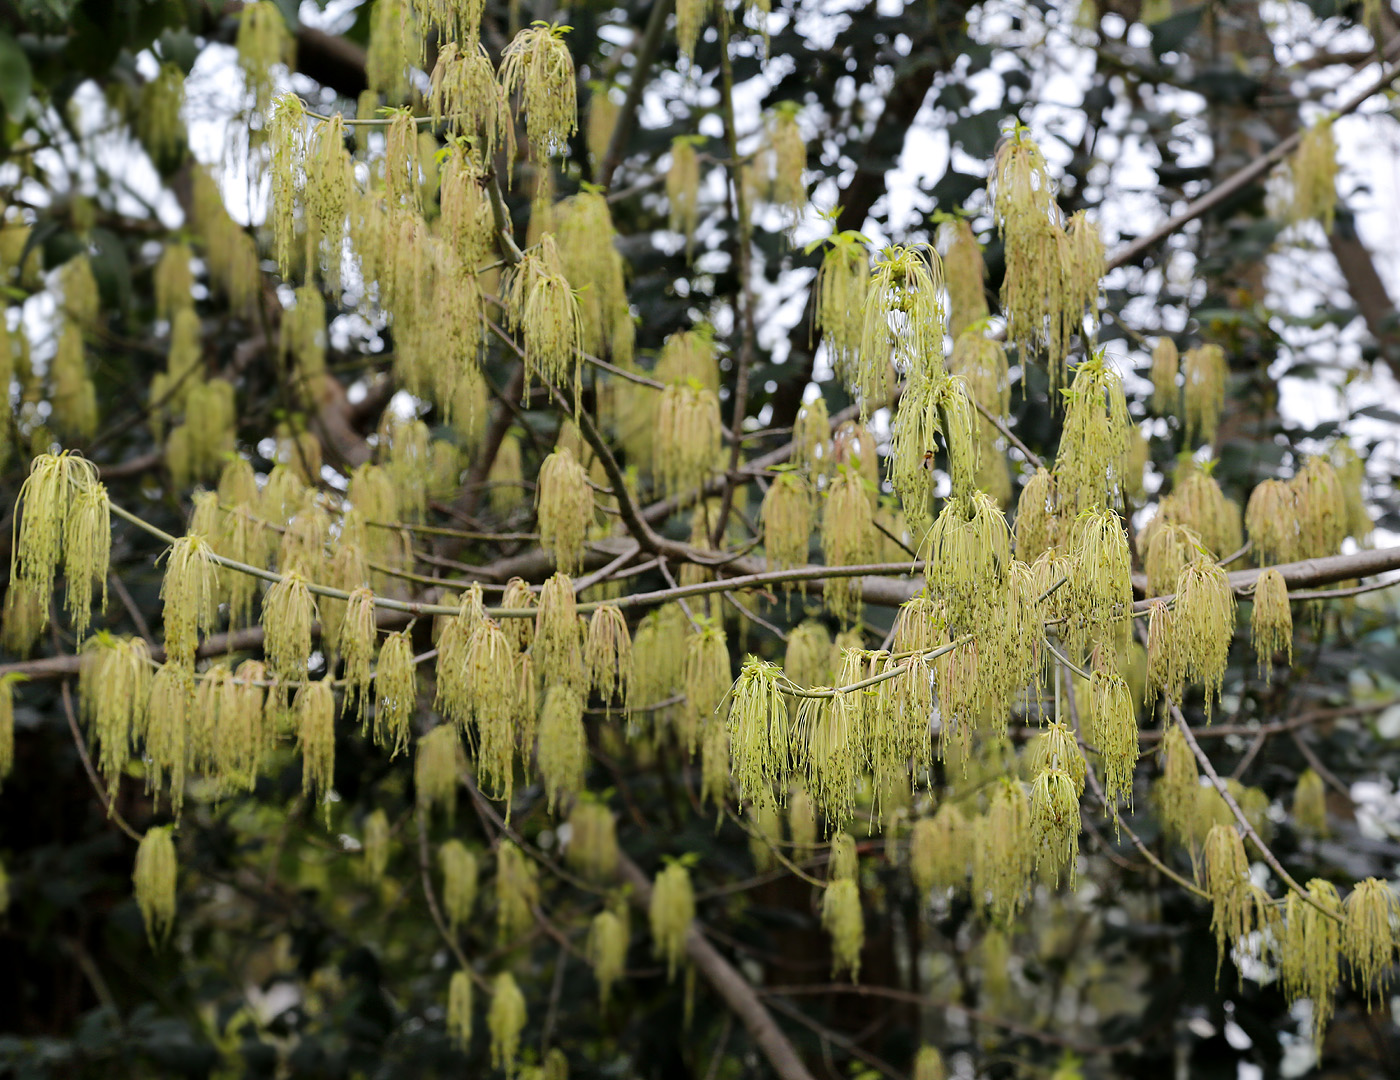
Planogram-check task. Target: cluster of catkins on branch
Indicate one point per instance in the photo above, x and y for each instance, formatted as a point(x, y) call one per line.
point(1012, 615)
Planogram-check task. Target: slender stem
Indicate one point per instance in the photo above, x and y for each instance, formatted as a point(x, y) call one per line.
point(744, 302)
point(93, 778)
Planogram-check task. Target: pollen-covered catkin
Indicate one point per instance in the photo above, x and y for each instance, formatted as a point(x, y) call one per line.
point(1372, 913)
point(538, 68)
point(154, 881)
point(459, 1009)
point(517, 892)
point(843, 280)
point(592, 851)
point(376, 844)
point(607, 949)
point(435, 764)
point(609, 654)
point(459, 882)
point(190, 595)
point(848, 539)
point(1271, 517)
point(1271, 624)
point(1310, 804)
point(289, 610)
point(565, 503)
point(671, 911)
point(1166, 365)
point(1310, 951)
point(844, 921)
point(506, 1020)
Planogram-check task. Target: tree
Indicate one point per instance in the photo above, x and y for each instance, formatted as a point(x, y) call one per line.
point(497, 631)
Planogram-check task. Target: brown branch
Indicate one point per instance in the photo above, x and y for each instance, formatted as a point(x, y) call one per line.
point(1241, 179)
point(652, 38)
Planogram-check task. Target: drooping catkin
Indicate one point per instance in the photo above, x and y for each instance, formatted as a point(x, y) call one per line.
point(1003, 852)
point(1036, 526)
point(690, 21)
point(843, 280)
point(1271, 623)
point(607, 949)
point(687, 437)
point(154, 881)
point(705, 677)
point(1112, 729)
point(87, 550)
point(558, 641)
point(1168, 548)
point(435, 767)
point(1321, 508)
point(1205, 370)
point(1239, 906)
point(966, 276)
point(1166, 365)
point(289, 610)
point(565, 503)
point(167, 732)
point(592, 851)
point(848, 539)
point(506, 1020)
point(1100, 590)
point(593, 265)
point(1313, 172)
point(517, 892)
point(609, 654)
point(811, 438)
point(114, 685)
point(932, 410)
point(788, 513)
point(1055, 821)
point(315, 727)
point(563, 746)
point(1199, 504)
point(542, 306)
point(190, 596)
point(1310, 951)
point(376, 843)
point(904, 323)
point(468, 99)
point(683, 188)
point(1310, 804)
point(758, 732)
point(1369, 942)
point(1203, 624)
point(538, 69)
point(459, 882)
point(671, 911)
point(397, 686)
point(939, 849)
point(844, 921)
point(459, 1009)
point(1093, 452)
point(968, 554)
point(262, 41)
